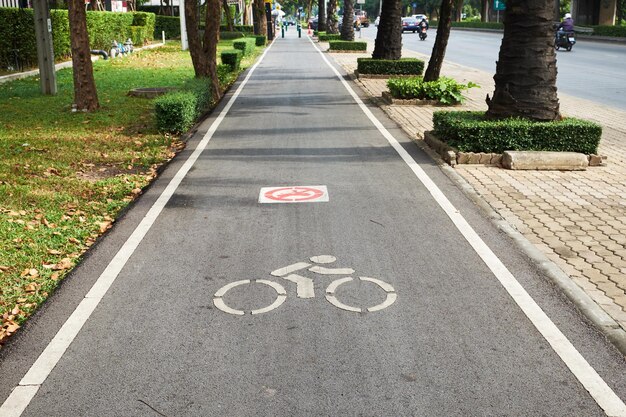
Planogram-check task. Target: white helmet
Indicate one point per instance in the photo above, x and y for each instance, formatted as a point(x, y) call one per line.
point(568, 15)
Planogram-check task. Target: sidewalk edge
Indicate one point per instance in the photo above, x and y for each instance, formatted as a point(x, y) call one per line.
point(589, 308)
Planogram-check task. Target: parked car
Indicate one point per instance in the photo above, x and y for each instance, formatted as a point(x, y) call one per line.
point(409, 24)
point(419, 17)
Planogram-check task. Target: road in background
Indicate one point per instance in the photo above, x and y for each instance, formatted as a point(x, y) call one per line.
point(592, 70)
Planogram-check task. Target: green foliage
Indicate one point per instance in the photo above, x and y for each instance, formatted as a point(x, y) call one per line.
point(169, 24)
point(177, 112)
point(471, 132)
point(232, 58)
point(348, 46)
point(472, 24)
point(238, 28)
point(245, 45)
point(614, 31)
point(445, 90)
point(322, 37)
point(261, 40)
point(231, 35)
point(17, 33)
point(404, 66)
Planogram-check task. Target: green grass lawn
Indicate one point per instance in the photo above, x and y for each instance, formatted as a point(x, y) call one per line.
point(65, 176)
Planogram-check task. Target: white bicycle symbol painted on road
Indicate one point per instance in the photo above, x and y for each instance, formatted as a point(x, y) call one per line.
point(305, 287)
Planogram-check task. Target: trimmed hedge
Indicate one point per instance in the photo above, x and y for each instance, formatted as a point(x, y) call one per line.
point(471, 132)
point(169, 24)
point(474, 25)
point(238, 28)
point(17, 33)
point(177, 112)
point(403, 66)
point(261, 40)
point(232, 35)
point(323, 37)
point(614, 31)
point(444, 90)
point(348, 46)
point(245, 45)
point(232, 58)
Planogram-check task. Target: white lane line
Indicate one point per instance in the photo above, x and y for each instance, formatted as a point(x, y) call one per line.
point(578, 365)
point(48, 359)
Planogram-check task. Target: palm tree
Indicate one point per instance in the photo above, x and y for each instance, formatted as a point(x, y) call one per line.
point(388, 44)
point(331, 21)
point(525, 80)
point(321, 16)
point(85, 93)
point(441, 41)
point(347, 28)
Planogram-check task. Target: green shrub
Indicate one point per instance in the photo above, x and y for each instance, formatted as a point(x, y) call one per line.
point(471, 132)
point(245, 45)
point(224, 74)
point(444, 90)
point(231, 35)
point(238, 28)
point(348, 46)
point(404, 66)
point(175, 112)
point(147, 21)
point(232, 57)
point(261, 40)
point(614, 31)
point(169, 24)
point(470, 24)
point(323, 37)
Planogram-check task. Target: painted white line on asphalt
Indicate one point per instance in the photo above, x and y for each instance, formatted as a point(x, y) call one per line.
point(304, 285)
point(289, 269)
point(331, 271)
point(323, 259)
point(48, 359)
point(225, 288)
point(578, 365)
point(333, 300)
point(18, 400)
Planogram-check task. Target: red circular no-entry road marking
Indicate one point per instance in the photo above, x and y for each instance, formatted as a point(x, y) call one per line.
point(294, 194)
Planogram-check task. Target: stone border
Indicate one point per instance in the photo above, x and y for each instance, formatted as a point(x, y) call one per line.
point(388, 98)
point(383, 76)
point(453, 157)
point(343, 51)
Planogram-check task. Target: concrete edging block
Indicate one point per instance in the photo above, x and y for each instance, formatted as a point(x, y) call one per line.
point(543, 160)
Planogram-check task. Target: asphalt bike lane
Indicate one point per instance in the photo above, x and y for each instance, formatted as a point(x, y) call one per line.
point(301, 268)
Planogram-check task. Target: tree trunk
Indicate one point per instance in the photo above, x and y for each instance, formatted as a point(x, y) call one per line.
point(484, 11)
point(347, 25)
point(331, 22)
point(441, 42)
point(85, 93)
point(198, 57)
point(321, 14)
point(228, 16)
point(525, 80)
point(260, 20)
point(388, 44)
point(211, 38)
point(458, 9)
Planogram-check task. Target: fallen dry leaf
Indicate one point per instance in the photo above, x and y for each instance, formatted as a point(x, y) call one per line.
point(74, 241)
point(32, 287)
point(54, 252)
point(65, 263)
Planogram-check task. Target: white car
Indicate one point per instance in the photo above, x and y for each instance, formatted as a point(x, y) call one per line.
point(377, 21)
point(419, 17)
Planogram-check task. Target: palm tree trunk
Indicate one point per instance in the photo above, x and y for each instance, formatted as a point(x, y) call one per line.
point(347, 25)
point(388, 44)
point(321, 14)
point(331, 20)
point(525, 80)
point(441, 42)
point(85, 93)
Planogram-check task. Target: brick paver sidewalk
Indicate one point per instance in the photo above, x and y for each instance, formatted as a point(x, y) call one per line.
point(577, 218)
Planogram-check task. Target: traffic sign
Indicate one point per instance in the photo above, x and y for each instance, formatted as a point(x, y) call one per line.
point(499, 5)
point(294, 194)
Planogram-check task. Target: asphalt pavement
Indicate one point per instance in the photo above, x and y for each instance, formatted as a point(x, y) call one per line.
point(393, 297)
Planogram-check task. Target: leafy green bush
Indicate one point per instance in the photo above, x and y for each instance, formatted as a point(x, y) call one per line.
point(261, 40)
point(404, 66)
point(147, 21)
point(614, 31)
point(471, 132)
point(232, 57)
point(472, 24)
point(245, 45)
point(231, 35)
point(238, 28)
point(445, 90)
point(348, 46)
point(169, 24)
point(176, 112)
point(331, 37)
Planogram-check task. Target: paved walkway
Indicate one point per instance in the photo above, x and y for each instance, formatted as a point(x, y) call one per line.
point(577, 219)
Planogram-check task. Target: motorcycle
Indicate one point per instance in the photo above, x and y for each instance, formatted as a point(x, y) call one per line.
point(422, 34)
point(564, 40)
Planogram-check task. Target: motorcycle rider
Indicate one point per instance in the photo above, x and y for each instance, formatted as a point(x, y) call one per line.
point(423, 23)
point(566, 26)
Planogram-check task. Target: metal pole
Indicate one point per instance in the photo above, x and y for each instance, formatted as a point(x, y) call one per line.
point(183, 27)
point(380, 7)
point(45, 53)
